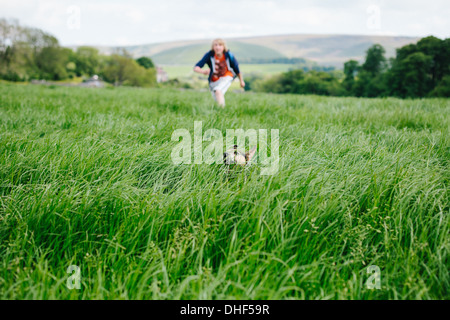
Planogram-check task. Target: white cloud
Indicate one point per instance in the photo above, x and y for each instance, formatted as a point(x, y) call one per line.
point(135, 16)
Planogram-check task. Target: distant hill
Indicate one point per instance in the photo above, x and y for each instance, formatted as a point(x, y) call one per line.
point(190, 54)
point(328, 50)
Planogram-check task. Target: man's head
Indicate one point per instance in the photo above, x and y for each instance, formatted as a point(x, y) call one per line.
point(219, 46)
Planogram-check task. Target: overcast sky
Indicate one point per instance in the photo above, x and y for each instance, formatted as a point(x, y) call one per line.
point(109, 22)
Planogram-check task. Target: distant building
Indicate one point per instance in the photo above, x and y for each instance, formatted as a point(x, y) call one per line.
point(93, 81)
point(161, 75)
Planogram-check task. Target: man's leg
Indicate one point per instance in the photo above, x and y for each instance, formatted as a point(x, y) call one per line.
point(220, 98)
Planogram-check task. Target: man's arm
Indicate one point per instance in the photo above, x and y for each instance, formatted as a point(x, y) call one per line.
point(235, 66)
point(198, 67)
point(200, 70)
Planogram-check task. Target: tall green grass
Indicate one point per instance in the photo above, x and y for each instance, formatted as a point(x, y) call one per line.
point(86, 179)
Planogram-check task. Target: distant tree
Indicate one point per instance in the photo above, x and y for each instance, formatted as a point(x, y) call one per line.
point(52, 62)
point(269, 84)
point(122, 70)
point(416, 78)
point(287, 82)
point(411, 76)
point(71, 69)
point(311, 84)
point(420, 68)
point(300, 82)
point(87, 61)
point(290, 81)
point(146, 62)
point(351, 68)
point(442, 89)
point(115, 69)
point(375, 61)
point(17, 51)
point(139, 76)
point(251, 80)
point(320, 83)
point(405, 51)
point(439, 51)
point(370, 81)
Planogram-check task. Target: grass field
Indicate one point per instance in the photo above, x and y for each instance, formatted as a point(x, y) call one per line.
point(87, 180)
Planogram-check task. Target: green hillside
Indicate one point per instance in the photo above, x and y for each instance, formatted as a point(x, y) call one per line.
point(327, 50)
point(190, 54)
point(330, 49)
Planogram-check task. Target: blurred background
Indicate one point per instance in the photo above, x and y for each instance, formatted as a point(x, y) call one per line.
point(269, 38)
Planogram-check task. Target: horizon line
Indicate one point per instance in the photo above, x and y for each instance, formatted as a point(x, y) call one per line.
point(249, 37)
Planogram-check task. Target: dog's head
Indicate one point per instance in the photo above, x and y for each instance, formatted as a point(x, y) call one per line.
point(236, 156)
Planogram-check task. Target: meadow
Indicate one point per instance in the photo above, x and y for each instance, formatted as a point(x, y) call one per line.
point(86, 179)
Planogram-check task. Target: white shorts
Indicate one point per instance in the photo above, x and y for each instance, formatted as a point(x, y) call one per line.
point(222, 84)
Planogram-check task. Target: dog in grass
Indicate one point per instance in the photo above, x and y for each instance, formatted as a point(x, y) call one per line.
point(236, 156)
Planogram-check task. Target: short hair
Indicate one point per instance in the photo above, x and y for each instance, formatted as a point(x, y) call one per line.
point(220, 41)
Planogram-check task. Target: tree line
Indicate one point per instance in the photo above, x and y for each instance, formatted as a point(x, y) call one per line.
point(417, 70)
point(30, 53)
